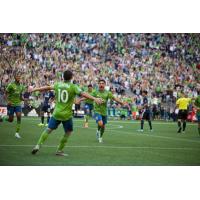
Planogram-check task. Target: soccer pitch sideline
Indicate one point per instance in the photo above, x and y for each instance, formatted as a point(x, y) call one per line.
point(122, 146)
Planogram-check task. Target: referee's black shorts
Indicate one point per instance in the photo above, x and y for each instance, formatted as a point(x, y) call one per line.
point(182, 114)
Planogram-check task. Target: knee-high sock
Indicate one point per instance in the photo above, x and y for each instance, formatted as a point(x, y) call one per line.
point(142, 124)
point(184, 125)
point(18, 125)
point(42, 119)
point(102, 131)
point(43, 137)
point(179, 124)
point(63, 142)
point(150, 125)
point(48, 118)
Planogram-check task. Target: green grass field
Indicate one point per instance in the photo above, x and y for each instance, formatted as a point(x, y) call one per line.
point(121, 147)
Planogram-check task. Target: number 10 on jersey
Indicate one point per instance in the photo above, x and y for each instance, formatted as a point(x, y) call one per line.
point(62, 96)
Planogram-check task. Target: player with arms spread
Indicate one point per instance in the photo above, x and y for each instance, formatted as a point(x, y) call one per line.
point(100, 110)
point(65, 93)
point(14, 98)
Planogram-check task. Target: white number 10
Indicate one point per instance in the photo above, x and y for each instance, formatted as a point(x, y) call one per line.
point(62, 96)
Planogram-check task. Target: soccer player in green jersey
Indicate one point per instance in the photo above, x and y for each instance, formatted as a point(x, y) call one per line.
point(197, 106)
point(14, 98)
point(65, 93)
point(100, 111)
point(88, 107)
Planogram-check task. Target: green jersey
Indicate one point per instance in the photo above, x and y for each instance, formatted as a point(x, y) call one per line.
point(14, 93)
point(89, 101)
point(197, 103)
point(65, 92)
point(102, 108)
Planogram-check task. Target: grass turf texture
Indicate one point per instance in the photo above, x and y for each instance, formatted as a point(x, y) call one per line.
point(122, 146)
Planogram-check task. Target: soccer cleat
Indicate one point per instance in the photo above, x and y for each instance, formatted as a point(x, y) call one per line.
point(97, 134)
point(100, 139)
point(46, 124)
point(61, 153)
point(183, 132)
point(17, 135)
point(151, 130)
point(41, 124)
point(179, 130)
point(35, 149)
point(140, 130)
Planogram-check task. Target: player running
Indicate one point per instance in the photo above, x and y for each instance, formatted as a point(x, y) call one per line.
point(145, 112)
point(88, 107)
point(45, 106)
point(14, 99)
point(65, 93)
point(100, 111)
point(182, 103)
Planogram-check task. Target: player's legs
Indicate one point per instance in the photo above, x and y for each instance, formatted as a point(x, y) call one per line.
point(18, 115)
point(68, 128)
point(42, 116)
point(179, 121)
point(184, 119)
point(148, 118)
point(86, 116)
point(53, 124)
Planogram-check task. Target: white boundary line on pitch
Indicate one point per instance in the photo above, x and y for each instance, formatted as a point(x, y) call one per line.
point(158, 136)
point(108, 147)
point(125, 122)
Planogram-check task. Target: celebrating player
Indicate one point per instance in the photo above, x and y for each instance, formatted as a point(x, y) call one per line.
point(65, 93)
point(14, 98)
point(100, 110)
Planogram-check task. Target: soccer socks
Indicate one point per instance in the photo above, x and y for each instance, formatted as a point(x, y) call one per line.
point(43, 137)
point(18, 125)
point(142, 124)
point(42, 119)
point(48, 118)
point(63, 142)
point(184, 125)
point(102, 131)
point(150, 125)
point(179, 125)
point(86, 118)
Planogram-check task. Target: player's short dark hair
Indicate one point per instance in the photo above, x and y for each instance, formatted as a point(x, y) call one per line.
point(67, 75)
point(102, 80)
point(90, 85)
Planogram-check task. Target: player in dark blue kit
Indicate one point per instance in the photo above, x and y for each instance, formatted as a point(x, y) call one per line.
point(45, 106)
point(145, 112)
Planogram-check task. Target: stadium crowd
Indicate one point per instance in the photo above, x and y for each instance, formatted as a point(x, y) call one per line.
point(162, 64)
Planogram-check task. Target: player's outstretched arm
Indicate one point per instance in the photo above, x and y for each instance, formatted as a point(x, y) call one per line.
point(120, 102)
point(87, 96)
point(44, 88)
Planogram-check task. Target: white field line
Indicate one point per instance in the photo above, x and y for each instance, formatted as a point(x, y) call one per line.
point(123, 122)
point(107, 147)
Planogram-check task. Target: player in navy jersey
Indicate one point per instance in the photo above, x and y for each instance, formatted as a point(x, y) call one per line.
point(45, 106)
point(145, 111)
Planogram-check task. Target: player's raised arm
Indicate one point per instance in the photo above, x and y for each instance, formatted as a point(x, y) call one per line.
point(120, 102)
point(87, 96)
point(44, 88)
